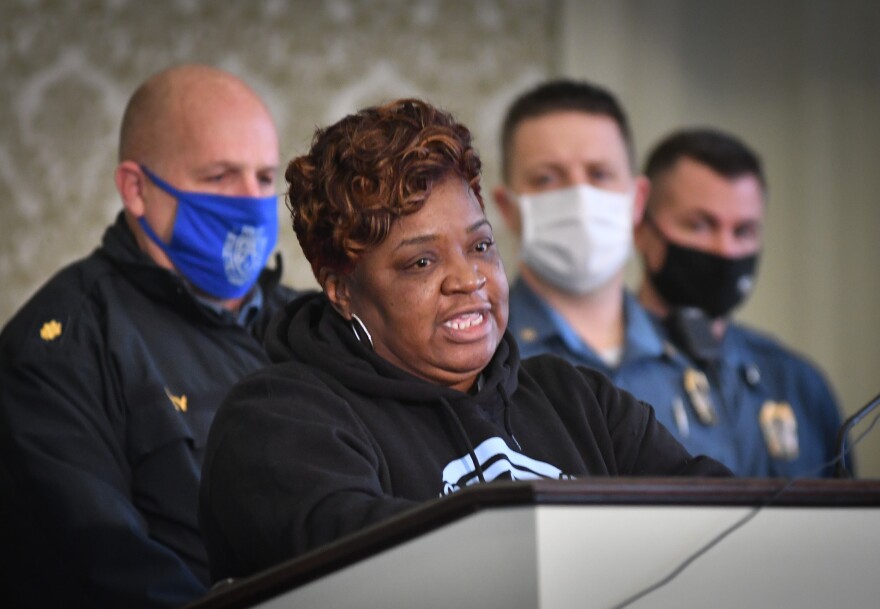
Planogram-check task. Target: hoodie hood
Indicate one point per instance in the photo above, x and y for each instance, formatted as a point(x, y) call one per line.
point(309, 331)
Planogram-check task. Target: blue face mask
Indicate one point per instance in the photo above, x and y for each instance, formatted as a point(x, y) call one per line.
point(220, 243)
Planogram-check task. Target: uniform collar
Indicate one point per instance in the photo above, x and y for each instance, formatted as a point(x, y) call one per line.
point(734, 349)
point(643, 336)
point(248, 311)
point(120, 246)
point(539, 323)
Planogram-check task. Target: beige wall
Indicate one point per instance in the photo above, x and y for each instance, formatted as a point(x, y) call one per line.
point(800, 81)
point(797, 78)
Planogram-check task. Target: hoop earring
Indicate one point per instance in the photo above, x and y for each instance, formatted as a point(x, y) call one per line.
point(360, 330)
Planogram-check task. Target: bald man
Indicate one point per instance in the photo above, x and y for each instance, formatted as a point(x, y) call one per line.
point(111, 374)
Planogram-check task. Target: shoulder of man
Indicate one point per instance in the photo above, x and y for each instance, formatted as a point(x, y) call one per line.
point(782, 366)
point(58, 305)
point(764, 346)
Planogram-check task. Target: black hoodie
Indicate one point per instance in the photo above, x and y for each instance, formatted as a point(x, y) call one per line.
point(333, 438)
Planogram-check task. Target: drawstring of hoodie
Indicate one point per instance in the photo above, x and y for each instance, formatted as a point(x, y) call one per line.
point(507, 426)
point(478, 467)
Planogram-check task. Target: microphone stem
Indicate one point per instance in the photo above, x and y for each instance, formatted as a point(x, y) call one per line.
point(841, 471)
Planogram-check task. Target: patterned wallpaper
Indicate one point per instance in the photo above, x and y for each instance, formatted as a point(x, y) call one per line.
point(67, 68)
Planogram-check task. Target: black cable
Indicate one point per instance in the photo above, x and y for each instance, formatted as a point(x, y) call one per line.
point(739, 523)
point(701, 551)
point(843, 432)
point(857, 440)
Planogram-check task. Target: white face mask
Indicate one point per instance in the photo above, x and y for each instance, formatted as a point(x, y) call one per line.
point(578, 238)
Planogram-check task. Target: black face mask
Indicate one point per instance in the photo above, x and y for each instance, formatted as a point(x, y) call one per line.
point(693, 278)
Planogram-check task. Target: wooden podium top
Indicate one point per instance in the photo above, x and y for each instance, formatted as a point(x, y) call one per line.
point(806, 493)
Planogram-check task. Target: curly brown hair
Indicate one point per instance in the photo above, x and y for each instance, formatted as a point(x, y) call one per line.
point(368, 170)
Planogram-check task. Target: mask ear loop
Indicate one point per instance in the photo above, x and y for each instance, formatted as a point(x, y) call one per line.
point(360, 330)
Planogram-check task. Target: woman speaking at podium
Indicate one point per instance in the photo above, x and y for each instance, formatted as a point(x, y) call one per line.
point(397, 383)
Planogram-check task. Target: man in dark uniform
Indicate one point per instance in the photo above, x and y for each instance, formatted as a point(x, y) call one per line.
point(111, 374)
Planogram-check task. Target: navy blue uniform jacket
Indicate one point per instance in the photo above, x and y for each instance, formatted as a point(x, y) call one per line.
point(109, 379)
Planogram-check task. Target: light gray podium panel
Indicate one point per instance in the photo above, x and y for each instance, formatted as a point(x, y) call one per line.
point(783, 557)
point(486, 560)
point(596, 556)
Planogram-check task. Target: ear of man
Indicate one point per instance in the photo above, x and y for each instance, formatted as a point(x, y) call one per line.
point(130, 180)
point(508, 208)
point(642, 190)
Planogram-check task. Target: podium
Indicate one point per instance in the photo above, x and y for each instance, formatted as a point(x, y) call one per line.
point(595, 543)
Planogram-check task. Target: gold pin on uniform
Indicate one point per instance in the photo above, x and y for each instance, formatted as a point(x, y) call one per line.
point(779, 427)
point(697, 387)
point(528, 335)
point(50, 330)
point(179, 402)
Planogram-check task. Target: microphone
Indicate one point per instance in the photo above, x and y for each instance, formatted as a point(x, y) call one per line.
point(840, 444)
point(691, 331)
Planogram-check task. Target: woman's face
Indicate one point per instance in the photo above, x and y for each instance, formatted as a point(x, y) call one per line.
point(433, 295)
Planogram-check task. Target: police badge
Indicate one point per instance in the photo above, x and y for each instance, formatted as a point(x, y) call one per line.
point(779, 426)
